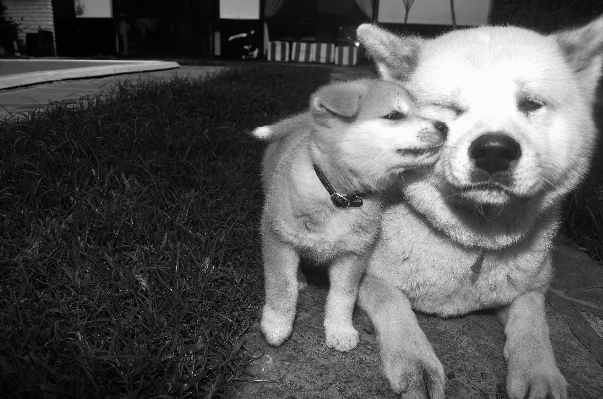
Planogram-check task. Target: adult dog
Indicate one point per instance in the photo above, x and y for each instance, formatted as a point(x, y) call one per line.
point(475, 230)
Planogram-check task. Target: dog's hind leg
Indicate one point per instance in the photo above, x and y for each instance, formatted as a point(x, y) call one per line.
point(530, 360)
point(409, 362)
point(281, 263)
point(344, 278)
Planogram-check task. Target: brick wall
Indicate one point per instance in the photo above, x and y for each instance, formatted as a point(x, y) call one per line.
point(31, 15)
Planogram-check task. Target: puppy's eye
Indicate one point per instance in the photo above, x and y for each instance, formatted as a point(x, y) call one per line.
point(528, 105)
point(394, 116)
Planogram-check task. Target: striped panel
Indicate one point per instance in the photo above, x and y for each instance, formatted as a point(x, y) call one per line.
point(303, 52)
point(278, 51)
point(346, 55)
point(325, 53)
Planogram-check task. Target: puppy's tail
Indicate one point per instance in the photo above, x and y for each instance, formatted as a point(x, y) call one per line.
point(282, 128)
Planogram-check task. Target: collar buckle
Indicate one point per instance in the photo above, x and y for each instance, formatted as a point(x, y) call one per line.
point(346, 201)
point(339, 200)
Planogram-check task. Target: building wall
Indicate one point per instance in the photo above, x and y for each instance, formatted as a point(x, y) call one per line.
point(435, 12)
point(31, 15)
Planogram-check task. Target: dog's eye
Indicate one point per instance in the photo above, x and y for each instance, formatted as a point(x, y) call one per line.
point(528, 105)
point(394, 116)
point(458, 111)
point(454, 108)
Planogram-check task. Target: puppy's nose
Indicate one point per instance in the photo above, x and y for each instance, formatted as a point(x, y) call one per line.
point(493, 152)
point(441, 127)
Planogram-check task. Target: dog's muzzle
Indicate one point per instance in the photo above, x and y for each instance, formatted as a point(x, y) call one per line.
point(494, 152)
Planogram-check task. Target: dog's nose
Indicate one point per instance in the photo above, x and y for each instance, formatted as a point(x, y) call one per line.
point(441, 127)
point(493, 152)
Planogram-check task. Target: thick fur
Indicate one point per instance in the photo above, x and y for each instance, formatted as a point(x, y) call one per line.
point(360, 134)
point(471, 234)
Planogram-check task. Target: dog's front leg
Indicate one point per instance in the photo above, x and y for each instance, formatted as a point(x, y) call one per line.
point(344, 278)
point(281, 263)
point(409, 362)
point(530, 360)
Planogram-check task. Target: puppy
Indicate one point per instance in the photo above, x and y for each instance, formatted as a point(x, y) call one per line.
point(476, 231)
point(322, 174)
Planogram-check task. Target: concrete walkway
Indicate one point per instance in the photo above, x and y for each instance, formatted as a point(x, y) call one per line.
point(25, 99)
point(24, 72)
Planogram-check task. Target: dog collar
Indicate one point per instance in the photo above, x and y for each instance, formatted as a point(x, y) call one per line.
point(340, 200)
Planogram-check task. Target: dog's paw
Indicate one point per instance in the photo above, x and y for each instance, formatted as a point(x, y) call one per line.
point(341, 338)
point(539, 381)
point(275, 326)
point(415, 375)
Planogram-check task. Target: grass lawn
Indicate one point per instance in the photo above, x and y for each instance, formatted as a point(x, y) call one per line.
point(129, 246)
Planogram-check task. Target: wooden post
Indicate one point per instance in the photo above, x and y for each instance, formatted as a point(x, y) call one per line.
point(261, 30)
point(375, 10)
point(452, 12)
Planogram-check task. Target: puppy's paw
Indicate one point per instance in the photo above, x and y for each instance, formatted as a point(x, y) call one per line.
point(341, 338)
point(540, 381)
point(415, 375)
point(276, 327)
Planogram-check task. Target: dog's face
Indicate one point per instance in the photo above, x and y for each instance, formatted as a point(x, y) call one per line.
point(371, 130)
point(520, 128)
point(518, 105)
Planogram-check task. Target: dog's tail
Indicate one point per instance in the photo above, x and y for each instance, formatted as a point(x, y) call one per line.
point(282, 128)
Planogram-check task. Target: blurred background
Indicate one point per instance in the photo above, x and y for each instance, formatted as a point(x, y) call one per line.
point(243, 29)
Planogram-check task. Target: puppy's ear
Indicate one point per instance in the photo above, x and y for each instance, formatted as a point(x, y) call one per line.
point(339, 99)
point(282, 128)
point(395, 56)
point(583, 50)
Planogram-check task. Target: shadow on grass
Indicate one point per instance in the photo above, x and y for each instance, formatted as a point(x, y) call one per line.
point(129, 249)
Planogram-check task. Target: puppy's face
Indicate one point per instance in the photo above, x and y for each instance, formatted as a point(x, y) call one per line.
point(520, 126)
point(372, 130)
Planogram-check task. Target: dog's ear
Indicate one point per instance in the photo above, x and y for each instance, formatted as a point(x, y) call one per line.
point(339, 99)
point(583, 50)
point(282, 128)
point(395, 56)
